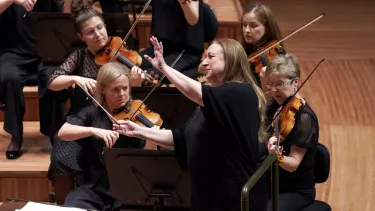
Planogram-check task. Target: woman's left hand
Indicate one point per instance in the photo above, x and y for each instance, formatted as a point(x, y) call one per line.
point(158, 61)
point(271, 145)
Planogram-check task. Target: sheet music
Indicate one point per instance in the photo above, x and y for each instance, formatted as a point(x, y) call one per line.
point(32, 206)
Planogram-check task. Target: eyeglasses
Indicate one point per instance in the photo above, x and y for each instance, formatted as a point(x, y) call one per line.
point(278, 85)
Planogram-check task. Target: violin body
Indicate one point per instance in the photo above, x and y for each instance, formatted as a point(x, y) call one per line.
point(261, 61)
point(287, 119)
point(124, 55)
point(144, 116)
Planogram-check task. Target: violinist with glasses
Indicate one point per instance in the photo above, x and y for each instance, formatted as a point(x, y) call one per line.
point(91, 128)
point(299, 134)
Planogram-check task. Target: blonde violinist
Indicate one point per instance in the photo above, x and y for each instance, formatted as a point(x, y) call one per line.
point(296, 169)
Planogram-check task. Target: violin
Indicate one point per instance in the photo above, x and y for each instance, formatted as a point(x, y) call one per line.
point(142, 116)
point(266, 56)
point(272, 48)
point(287, 119)
point(124, 55)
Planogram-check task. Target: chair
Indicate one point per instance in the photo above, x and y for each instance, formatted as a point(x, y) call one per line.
point(321, 169)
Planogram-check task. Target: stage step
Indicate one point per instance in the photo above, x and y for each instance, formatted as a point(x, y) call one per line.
point(31, 104)
point(26, 177)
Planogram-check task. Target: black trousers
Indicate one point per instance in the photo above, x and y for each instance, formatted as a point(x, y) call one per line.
point(89, 199)
point(14, 71)
point(294, 201)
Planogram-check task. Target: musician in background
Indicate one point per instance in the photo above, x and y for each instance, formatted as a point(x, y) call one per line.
point(18, 61)
point(91, 128)
point(296, 171)
point(259, 28)
point(179, 25)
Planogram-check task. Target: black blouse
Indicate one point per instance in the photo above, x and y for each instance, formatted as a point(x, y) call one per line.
point(170, 26)
point(219, 146)
point(81, 63)
point(92, 162)
point(305, 134)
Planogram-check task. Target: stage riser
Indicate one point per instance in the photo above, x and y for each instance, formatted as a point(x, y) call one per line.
point(27, 188)
point(31, 105)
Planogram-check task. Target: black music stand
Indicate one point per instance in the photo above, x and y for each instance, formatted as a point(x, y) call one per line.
point(147, 178)
point(57, 38)
point(173, 107)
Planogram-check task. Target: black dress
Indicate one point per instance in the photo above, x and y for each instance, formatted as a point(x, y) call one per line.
point(18, 61)
point(297, 189)
point(93, 192)
point(171, 28)
point(64, 154)
point(219, 147)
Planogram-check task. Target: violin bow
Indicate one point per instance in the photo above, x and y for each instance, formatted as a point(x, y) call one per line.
point(291, 34)
point(156, 85)
point(131, 29)
point(109, 115)
point(299, 88)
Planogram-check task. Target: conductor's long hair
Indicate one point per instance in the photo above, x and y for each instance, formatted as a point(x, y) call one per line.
point(237, 68)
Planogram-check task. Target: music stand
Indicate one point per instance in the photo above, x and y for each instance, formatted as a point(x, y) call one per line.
point(147, 178)
point(57, 38)
point(173, 107)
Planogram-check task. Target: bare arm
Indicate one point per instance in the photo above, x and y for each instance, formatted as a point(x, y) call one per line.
point(192, 89)
point(69, 132)
point(162, 138)
point(292, 161)
point(295, 157)
point(27, 4)
point(4, 4)
point(189, 87)
point(67, 6)
point(62, 82)
point(65, 81)
point(191, 11)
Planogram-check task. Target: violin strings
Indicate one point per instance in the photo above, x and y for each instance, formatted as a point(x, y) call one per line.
point(295, 93)
point(306, 25)
point(153, 88)
point(110, 116)
point(131, 28)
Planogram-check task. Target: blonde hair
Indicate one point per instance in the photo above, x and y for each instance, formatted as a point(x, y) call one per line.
point(237, 68)
point(107, 74)
point(266, 17)
point(286, 64)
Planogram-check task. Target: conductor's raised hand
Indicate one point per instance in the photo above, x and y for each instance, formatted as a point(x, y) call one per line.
point(158, 61)
point(128, 128)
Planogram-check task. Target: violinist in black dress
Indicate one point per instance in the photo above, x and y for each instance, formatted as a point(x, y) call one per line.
point(296, 169)
point(260, 29)
point(91, 128)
